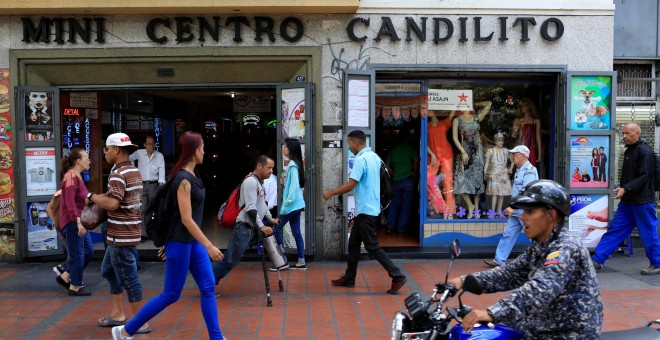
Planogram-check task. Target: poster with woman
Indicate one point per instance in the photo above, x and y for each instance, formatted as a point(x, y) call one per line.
point(591, 102)
point(589, 216)
point(38, 116)
point(589, 161)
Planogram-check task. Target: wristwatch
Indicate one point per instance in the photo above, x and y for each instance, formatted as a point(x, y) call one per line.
point(89, 195)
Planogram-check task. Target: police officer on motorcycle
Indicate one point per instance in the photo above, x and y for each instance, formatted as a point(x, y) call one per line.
point(555, 293)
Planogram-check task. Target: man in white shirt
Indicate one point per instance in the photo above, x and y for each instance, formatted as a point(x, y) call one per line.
point(151, 164)
point(270, 185)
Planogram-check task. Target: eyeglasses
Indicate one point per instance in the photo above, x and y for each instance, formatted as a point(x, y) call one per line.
point(149, 144)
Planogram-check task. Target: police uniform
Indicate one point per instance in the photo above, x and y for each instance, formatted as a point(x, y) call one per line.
point(555, 291)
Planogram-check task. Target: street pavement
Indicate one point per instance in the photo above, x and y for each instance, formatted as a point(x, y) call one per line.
point(33, 306)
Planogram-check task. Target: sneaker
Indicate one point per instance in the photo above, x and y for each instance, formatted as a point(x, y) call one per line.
point(58, 270)
point(491, 263)
point(116, 333)
point(651, 270)
point(341, 281)
point(597, 265)
point(299, 265)
point(396, 285)
point(283, 267)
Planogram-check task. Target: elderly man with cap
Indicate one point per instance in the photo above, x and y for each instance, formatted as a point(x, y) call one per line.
point(122, 201)
point(525, 174)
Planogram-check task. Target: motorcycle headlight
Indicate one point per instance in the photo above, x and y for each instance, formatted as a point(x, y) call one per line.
point(415, 307)
point(398, 324)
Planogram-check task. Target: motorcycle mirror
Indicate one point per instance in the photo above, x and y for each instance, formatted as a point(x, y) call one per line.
point(454, 249)
point(471, 284)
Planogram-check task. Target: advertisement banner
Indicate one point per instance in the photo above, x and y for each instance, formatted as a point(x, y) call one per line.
point(589, 161)
point(450, 100)
point(40, 232)
point(589, 216)
point(293, 113)
point(39, 116)
point(248, 104)
point(40, 170)
point(591, 102)
point(7, 207)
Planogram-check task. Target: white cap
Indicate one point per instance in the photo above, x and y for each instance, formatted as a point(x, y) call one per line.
point(520, 149)
point(119, 139)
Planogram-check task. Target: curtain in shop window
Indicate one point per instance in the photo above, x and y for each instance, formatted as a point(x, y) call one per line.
point(395, 111)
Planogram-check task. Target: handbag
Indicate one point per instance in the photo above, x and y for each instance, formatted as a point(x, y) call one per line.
point(92, 216)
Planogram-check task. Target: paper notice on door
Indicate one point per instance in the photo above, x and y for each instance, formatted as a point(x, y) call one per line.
point(358, 103)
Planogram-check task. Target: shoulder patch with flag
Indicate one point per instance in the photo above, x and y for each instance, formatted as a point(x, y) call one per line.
point(552, 258)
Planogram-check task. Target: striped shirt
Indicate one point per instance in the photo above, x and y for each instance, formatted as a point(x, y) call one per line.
point(125, 223)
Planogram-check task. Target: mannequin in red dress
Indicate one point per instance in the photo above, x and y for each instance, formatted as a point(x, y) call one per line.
point(527, 130)
point(441, 159)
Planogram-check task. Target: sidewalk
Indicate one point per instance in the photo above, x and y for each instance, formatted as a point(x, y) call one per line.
point(33, 306)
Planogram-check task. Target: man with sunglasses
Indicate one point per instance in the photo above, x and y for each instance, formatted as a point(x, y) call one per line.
point(151, 164)
point(122, 201)
point(554, 290)
point(250, 220)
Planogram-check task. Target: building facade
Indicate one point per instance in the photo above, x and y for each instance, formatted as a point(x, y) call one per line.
point(248, 77)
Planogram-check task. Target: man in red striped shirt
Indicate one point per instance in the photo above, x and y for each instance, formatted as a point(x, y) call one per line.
point(122, 201)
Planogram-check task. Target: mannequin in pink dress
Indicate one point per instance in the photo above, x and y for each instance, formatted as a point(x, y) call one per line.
point(441, 157)
point(527, 130)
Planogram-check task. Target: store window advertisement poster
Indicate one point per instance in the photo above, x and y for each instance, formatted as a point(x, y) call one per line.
point(7, 184)
point(40, 171)
point(590, 158)
point(589, 216)
point(591, 102)
point(41, 234)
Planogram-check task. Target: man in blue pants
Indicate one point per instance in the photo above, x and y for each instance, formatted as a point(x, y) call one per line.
point(636, 205)
point(525, 174)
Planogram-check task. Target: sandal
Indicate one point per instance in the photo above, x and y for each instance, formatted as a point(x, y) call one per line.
point(109, 322)
point(62, 283)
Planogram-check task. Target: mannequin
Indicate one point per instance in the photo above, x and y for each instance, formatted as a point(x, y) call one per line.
point(527, 130)
point(498, 182)
point(441, 157)
point(469, 163)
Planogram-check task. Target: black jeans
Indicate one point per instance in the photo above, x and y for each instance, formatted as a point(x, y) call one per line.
point(364, 230)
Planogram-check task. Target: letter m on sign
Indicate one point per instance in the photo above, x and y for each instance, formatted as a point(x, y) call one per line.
point(41, 33)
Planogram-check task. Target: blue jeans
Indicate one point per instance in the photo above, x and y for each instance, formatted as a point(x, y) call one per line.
point(401, 203)
point(81, 251)
point(238, 244)
point(104, 233)
point(119, 267)
point(293, 218)
point(626, 217)
point(509, 237)
point(182, 257)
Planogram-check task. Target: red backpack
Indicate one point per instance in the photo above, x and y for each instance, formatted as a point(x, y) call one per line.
point(229, 210)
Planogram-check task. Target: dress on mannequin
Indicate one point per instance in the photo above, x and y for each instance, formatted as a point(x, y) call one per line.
point(527, 130)
point(469, 164)
point(441, 157)
point(496, 172)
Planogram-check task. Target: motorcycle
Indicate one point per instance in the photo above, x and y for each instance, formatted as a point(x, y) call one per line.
point(426, 320)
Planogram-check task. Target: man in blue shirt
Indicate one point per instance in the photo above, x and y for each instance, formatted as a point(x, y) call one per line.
point(365, 178)
point(525, 174)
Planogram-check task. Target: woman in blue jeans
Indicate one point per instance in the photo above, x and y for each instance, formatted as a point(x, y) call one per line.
point(293, 202)
point(187, 248)
point(72, 202)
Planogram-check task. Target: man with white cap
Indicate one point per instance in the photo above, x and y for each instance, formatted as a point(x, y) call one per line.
point(525, 174)
point(122, 201)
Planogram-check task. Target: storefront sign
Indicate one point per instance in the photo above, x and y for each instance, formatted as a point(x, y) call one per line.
point(244, 103)
point(251, 120)
point(588, 219)
point(291, 29)
point(83, 99)
point(589, 161)
point(40, 170)
point(450, 100)
point(398, 87)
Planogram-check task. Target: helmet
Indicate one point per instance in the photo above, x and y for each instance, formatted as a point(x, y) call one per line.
point(543, 193)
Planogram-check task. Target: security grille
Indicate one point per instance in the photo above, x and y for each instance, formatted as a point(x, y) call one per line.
point(631, 84)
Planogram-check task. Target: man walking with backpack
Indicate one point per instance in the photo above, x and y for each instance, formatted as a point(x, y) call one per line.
point(637, 203)
point(249, 219)
point(365, 178)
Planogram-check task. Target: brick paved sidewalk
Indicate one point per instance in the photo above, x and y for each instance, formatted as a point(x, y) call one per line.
point(33, 306)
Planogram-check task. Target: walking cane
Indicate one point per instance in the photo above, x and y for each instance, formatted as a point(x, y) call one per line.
point(260, 237)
